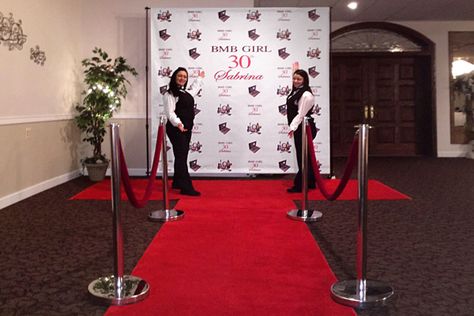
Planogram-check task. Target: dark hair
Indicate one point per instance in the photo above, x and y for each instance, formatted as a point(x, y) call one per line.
point(173, 87)
point(305, 76)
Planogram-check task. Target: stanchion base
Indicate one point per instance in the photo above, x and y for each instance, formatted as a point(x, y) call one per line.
point(166, 215)
point(377, 293)
point(304, 215)
point(134, 290)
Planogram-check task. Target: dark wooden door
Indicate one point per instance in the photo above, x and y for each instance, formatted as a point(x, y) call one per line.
point(388, 93)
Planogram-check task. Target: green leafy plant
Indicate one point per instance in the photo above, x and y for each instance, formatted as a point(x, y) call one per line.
point(106, 87)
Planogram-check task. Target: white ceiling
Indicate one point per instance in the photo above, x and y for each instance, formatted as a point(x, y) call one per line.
point(386, 10)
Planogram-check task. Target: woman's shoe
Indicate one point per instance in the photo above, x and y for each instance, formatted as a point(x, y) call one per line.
point(190, 192)
point(293, 190)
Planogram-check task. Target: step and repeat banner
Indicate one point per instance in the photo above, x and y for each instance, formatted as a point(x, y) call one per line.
point(247, 56)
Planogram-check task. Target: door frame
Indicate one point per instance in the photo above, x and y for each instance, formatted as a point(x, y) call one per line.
point(427, 51)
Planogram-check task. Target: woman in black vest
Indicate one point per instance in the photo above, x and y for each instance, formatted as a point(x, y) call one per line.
point(300, 103)
point(179, 109)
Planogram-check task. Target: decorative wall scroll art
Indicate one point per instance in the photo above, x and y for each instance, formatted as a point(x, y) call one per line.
point(11, 32)
point(37, 55)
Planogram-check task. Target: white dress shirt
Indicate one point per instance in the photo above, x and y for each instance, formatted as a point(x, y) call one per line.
point(305, 104)
point(169, 101)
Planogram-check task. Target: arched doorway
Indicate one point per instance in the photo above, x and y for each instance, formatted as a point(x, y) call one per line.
point(382, 74)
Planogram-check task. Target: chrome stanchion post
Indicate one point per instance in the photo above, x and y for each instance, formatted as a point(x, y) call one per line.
point(362, 293)
point(166, 214)
point(304, 214)
point(118, 289)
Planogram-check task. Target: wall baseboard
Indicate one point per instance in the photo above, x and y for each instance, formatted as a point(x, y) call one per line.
point(452, 154)
point(37, 188)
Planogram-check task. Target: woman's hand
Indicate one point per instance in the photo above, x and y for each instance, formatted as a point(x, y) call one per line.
point(295, 66)
point(181, 128)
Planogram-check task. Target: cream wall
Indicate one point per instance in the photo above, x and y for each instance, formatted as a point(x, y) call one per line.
point(438, 33)
point(41, 146)
point(38, 140)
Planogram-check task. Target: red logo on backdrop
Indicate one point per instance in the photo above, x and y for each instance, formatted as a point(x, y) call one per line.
point(285, 72)
point(164, 35)
point(223, 15)
point(165, 53)
point(283, 91)
point(197, 128)
point(284, 128)
point(253, 34)
point(254, 128)
point(253, 147)
point(313, 53)
point(164, 16)
point(224, 109)
point(254, 165)
point(165, 72)
point(196, 110)
point(224, 165)
point(194, 35)
point(283, 166)
point(193, 164)
point(163, 89)
point(194, 16)
point(195, 147)
point(253, 15)
point(283, 34)
point(224, 35)
point(225, 147)
point(194, 71)
point(223, 128)
point(282, 109)
point(229, 75)
point(282, 53)
point(313, 15)
point(284, 15)
point(313, 34)
point(193, 53)
point(315, 90)
point(313, 72)
point(224, 91)
point(284, 147)
point(254, 109)
point(317, 110)
point(253, 91)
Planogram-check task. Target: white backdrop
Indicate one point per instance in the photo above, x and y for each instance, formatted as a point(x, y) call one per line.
point(247, 56)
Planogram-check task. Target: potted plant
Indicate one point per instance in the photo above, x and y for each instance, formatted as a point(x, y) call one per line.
point(105, 83)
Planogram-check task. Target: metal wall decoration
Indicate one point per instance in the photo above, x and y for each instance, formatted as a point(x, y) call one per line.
point(11, 32)
point(37, 55)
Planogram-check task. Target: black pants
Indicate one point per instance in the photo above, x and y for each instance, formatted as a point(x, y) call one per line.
point(297, 182)
point(180, 142)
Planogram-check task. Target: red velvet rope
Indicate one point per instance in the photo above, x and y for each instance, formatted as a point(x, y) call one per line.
point(126, 178)
point(347, 171)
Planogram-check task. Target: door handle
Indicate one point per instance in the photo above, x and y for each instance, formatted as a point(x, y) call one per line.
point(372, 112)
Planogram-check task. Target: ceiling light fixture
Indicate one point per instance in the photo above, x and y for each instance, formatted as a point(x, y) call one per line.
point(352, 5)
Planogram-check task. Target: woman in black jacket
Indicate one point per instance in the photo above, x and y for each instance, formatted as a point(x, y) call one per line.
point(299, 104)
point(179, 109)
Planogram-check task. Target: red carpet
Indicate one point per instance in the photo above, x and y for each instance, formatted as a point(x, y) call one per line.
point(376, 189)
point(235, 253)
